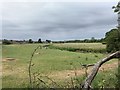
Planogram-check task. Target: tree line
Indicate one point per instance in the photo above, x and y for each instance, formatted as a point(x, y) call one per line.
point(112, 38)
point(30, 41)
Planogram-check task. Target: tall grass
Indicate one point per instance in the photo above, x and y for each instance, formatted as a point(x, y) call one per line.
point(81, 47)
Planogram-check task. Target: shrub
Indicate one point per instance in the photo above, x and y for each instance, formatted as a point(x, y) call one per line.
point(113, 40)
point(6, 42)
point(30, 41)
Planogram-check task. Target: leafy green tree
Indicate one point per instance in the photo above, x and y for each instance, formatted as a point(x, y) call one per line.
point(30, 41)
point(113, 40)
point(113, 37)
point(117, 8)
point(6, 42)
point(39, 40)
point(48, 41)
point(93, 39)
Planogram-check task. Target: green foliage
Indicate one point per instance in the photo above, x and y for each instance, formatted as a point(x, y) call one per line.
point(81, 47)
point(39, 40)
point(48, 41)
point(116, 8)
point(92, 40)
point(30, 41)
point(106, 79)
point(113, 40)
point(6, 42)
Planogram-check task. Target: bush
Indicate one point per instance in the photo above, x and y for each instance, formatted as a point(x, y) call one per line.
point(6, 42)
point(30, 41)
point(113, 40)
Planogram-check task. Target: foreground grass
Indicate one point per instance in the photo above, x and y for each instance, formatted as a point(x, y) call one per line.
point(106, 79)
point(46, 61)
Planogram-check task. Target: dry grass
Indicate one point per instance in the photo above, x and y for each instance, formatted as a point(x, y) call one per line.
point(80, 72)
point(82, 45)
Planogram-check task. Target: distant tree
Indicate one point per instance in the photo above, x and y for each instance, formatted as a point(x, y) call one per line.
point(30, 41)
point(48, 41)
point(6, 42)
point(39, 40)
point(86, 41)
point(93, 39)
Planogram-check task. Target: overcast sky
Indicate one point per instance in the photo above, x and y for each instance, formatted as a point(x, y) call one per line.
point(57, 20)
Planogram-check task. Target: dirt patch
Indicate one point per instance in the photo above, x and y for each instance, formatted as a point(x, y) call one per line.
point(109, 66)
point(72, 73)
point(8, 59)
point(37, 53)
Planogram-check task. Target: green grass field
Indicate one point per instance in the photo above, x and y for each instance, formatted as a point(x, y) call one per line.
point(81, 47)
point(54, 63)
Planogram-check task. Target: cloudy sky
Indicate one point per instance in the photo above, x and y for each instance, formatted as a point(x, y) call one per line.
point(57, 20)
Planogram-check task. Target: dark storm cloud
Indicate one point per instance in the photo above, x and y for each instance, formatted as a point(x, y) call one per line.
point(57, 21)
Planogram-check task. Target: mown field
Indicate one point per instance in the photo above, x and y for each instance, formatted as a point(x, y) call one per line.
point(54, 67)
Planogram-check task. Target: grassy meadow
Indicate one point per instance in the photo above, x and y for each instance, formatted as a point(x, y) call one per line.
point(58, 65)
point(81, 47)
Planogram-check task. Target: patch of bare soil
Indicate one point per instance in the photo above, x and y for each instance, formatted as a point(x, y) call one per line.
point(72, 73)
point(37, 53)
point(8, 59)
point(109, 66)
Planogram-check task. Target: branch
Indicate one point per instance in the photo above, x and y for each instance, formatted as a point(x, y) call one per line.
point(30, 64)
point(90, 77)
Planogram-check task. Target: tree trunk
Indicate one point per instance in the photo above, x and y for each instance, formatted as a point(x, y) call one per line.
point(86, 84)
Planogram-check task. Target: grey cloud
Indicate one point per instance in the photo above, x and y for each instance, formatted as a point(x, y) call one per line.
point(58, 21)
point(9, 24)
